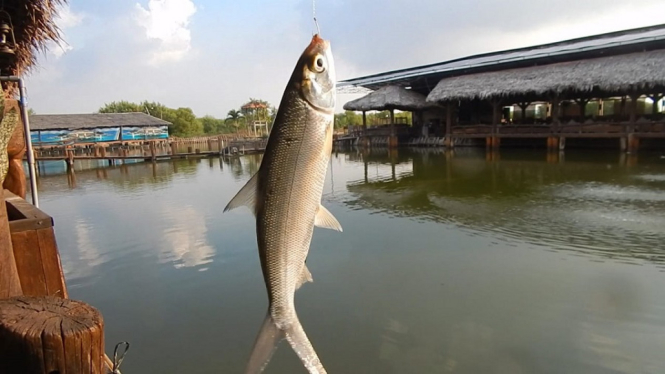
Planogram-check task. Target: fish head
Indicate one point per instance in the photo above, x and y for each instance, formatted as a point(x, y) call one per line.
point(317, 82)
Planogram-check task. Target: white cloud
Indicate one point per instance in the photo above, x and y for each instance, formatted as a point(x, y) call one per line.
point(167, 22)
point(65, 19)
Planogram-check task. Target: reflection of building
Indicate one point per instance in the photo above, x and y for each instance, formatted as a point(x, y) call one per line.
point(52, 129)
point(608, 86)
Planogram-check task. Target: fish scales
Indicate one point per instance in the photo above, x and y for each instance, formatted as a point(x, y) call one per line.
point(285, 196)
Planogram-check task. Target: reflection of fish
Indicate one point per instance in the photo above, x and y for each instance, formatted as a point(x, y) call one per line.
point(285, 196)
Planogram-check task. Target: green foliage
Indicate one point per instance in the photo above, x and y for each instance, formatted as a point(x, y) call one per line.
point(31, 112)
point(184, 122)
point(120, 107)
point(212, 125)
point(350, 118)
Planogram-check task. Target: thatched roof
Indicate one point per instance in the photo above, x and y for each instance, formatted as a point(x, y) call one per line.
point(94, 120)
point(34, 26)
point(613, 74)
point(389, 97)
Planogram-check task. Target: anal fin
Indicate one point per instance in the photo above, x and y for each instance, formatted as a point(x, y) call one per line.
point(305, 277)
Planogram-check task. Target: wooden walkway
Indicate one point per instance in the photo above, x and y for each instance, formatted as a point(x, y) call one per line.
point(151, 150)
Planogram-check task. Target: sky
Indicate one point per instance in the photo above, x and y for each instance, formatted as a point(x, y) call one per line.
point(212, 55)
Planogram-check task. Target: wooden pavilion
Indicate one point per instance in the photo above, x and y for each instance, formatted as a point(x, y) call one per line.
point(601, 87)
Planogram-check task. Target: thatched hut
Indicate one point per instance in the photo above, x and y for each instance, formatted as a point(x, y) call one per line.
point(607, 85)
point(389, 98)
point(612, 75)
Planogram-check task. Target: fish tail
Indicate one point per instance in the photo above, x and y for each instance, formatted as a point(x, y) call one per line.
point(265, 345)
point(270, 336)
point(300, 343)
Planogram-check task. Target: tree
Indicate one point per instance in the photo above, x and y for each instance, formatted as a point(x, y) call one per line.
point(120, 107)
point(234, 117)
point(212, 125)
point(183, 122)
point(31, 112)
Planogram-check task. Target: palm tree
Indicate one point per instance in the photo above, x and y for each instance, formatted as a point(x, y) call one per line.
point(234, 116)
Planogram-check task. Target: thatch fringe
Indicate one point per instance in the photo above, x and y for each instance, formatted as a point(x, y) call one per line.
point(622, 73)
point(389, 97)
point(34, 27)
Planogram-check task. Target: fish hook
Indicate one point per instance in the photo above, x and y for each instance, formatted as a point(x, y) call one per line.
point(318, 30)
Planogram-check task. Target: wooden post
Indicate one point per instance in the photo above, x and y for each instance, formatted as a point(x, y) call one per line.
point(10, 284)
point(392, 142)
point(174, 148)
point(189, 149)
point(47, 335)
point(449, 125)
point(582, 104)
point(555, 113)
point(495, 116)
point(153, 152)
point(633, 111)
point(523, 106)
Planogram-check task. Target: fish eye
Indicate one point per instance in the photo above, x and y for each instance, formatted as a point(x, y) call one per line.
point(319, 64)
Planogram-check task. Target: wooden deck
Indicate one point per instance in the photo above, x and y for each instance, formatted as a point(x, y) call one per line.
point(151, 150)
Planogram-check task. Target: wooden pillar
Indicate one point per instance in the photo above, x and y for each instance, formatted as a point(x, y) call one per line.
point(153, 152)
point(633, 111)
point(120, 134)
point(47, 335)
point(10, 283)
point(364, 121)
point(449, 125)
point(633, 142)
point(392, 142)
point(582, 104)
point(174, 148)
point(496, 115)
point(523, 106)
point(555, 113)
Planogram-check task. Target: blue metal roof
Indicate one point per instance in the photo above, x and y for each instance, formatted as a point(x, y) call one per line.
point(598, 43)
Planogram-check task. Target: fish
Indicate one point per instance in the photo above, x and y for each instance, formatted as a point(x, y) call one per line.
point(285, 197)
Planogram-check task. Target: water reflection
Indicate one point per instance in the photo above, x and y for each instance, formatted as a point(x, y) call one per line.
point(185, 243)
point(592, 205)
point(516, 262)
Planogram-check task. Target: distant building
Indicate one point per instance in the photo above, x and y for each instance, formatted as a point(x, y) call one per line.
point(59, 129)
point(609, 85)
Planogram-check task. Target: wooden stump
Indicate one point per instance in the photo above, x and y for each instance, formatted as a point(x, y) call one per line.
point(49, 335)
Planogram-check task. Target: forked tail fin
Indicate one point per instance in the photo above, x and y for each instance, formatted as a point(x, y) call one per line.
point(268, 339)
point(264, 346)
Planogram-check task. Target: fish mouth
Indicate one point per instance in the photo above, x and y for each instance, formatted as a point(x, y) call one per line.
point(318, 89)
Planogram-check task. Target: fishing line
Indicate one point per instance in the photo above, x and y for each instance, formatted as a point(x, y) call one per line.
point(318, 30)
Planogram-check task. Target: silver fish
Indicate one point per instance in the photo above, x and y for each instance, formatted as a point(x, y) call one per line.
point(285, 196)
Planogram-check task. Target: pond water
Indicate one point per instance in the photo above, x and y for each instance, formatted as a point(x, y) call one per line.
point(461, 262)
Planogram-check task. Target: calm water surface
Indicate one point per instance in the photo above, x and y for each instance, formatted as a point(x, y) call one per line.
point(448, 263)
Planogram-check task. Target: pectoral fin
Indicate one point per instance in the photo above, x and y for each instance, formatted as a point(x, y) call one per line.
point(246, 196)
point(326, 220)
